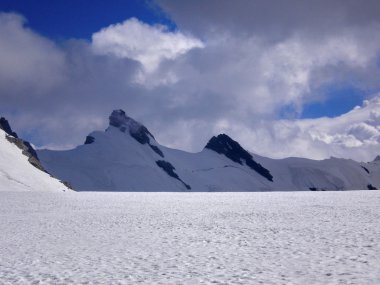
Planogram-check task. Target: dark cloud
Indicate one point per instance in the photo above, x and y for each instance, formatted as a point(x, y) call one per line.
point(273, 20)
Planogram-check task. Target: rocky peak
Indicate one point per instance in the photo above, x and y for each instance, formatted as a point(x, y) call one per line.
point(377, 158)
point(4, 125)
point(119, 118)
point(124, 123)
point(223, 144)
point(139, 132)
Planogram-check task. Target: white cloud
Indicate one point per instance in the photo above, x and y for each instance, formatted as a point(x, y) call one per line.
point(363, 131)
point(355, 135)
point(298, 64)
point(139, 41)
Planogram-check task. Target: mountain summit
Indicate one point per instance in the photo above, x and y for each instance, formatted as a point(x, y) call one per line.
point(223, 144)
point(4, 125)
point(120, 120)
point(139, 132)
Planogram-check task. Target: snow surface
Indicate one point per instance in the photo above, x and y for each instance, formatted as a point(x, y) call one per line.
point(17, 174)
point(190, 238)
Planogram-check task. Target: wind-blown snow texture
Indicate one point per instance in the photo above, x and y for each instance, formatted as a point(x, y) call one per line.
point(18, 174)
point(190, 238)
point(125, 156)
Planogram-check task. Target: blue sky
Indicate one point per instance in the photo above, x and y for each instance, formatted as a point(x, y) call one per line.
point(191, 69)
point(59, 19)
point(338, 100)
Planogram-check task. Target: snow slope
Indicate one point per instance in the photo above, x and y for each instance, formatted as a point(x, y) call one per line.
point(18, 174)
point(126, 157)
point(197, 238)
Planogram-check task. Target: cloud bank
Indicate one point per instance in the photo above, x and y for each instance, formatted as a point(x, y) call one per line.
point(354, 135)
point(246, 70)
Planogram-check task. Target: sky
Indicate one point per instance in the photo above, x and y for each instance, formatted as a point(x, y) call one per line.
point(283, 78)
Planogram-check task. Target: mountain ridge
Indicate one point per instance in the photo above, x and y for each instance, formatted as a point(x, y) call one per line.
point(24, 145)
point(126, 157)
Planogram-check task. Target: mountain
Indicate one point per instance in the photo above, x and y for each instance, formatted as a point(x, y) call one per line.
point(126, 157)
point(20, 168)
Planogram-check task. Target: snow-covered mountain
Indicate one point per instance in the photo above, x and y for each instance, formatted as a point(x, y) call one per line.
point(126, 157)
point(20, 168)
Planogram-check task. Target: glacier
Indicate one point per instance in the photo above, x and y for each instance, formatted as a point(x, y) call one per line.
point(190, 238)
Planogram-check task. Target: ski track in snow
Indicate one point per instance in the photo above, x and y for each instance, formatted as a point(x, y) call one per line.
point(190, 238)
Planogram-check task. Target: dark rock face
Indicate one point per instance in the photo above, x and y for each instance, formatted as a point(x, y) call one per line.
point(141, 135)
point(156, 150)
point(223, 144)
point(169, 169)
point(365, 169)
point(377, 158)
point(138, 131)
point(118, 118)
point(67, 184)
point(31, 150)
point(371, 187)
point(25, 146)
point(4, 125)
point(318, 189)
point(27, 150)
point(89, 140)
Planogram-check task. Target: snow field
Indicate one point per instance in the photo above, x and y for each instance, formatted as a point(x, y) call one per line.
point(17, 174)
point(190, 238)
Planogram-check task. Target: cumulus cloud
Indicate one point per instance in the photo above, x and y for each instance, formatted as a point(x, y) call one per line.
point(354, 135)
point(139, 41)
